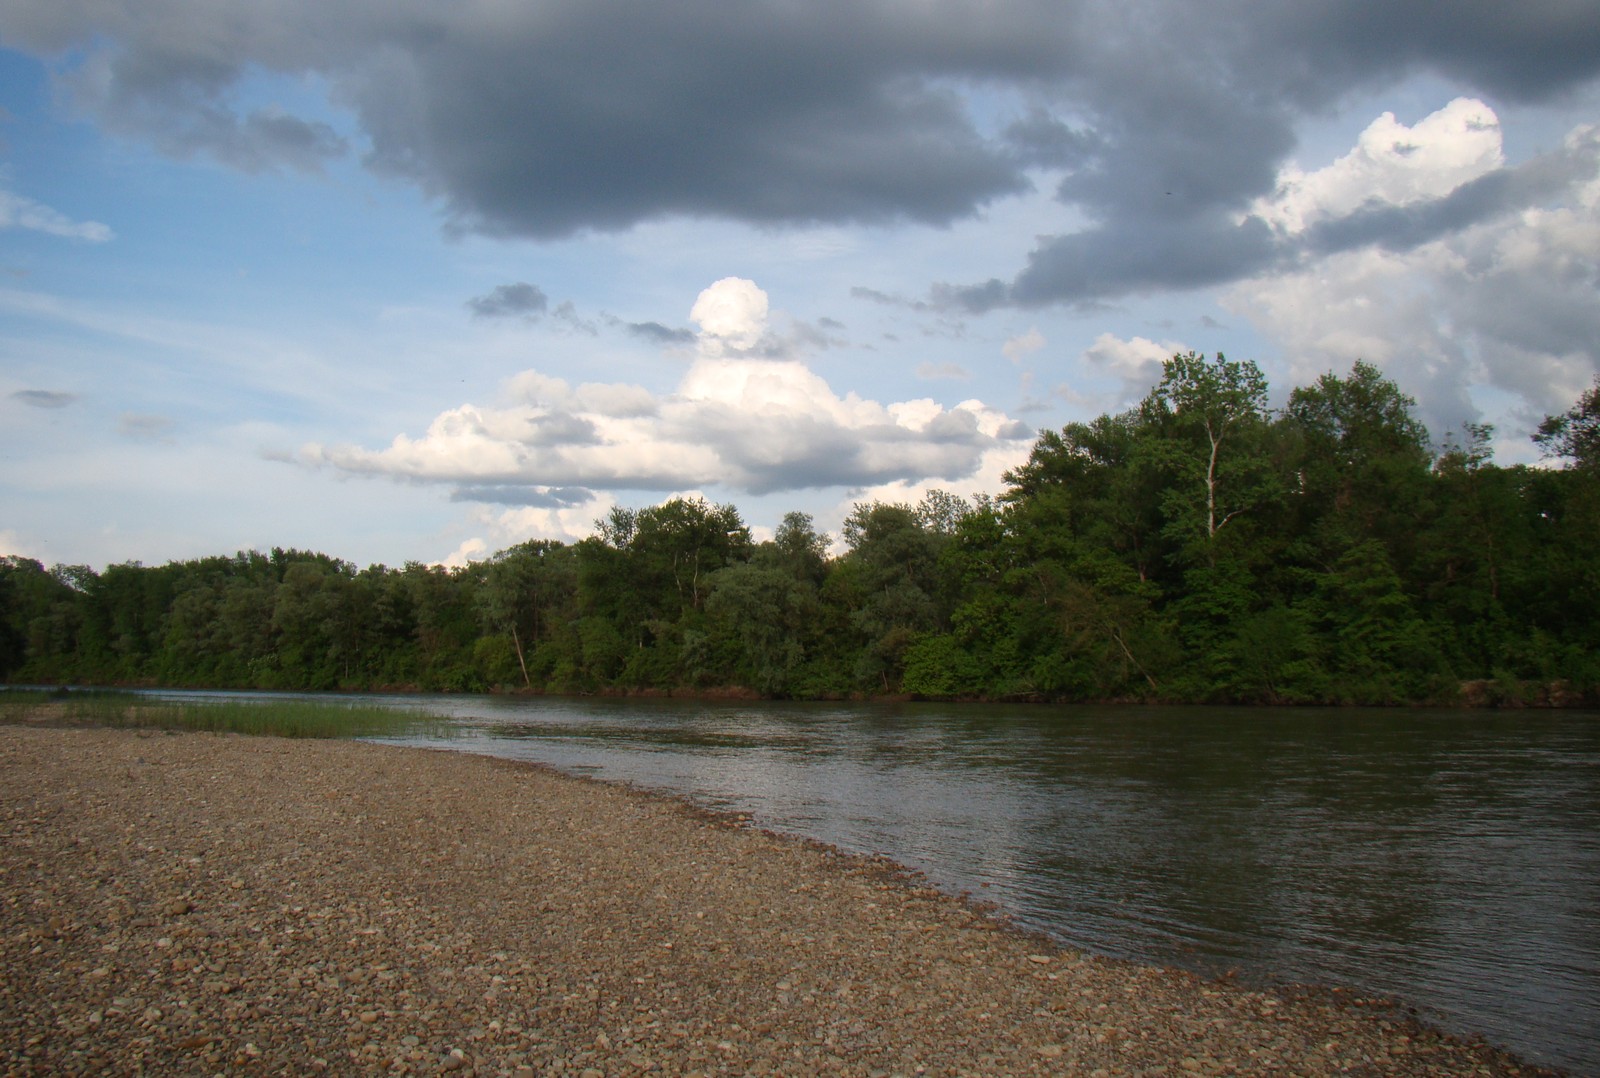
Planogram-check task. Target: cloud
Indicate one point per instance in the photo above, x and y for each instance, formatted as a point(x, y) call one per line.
point(1509, 303)
point(1135, 258)
point(1017, 347)
point(19, 212)
point(748, 424)
point(520, 494)
point(469, 551)
point(732, 316)
point(754, 426)
point(1136, 362)
point(44, 398)
point(12, 545)
point(1398, 188)
point(1390, 164)
point(145, 428)
point(656, 333)
point(506, 527)
point(180, 95)
point(885, 299)
point(511, 301)
point(1155, 120)
point(932, 371)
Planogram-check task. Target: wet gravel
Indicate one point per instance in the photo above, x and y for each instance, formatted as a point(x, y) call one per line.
point(217, 904)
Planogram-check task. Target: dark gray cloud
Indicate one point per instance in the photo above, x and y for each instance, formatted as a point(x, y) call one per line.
point(181, 104)
point(1528, 52)
point(523, 495)
point(1109, 261)
point(520, 300)
point(44, 398)
point(656, 333)
point(1039, 138)
point(1104, 263)
point(1159, 120)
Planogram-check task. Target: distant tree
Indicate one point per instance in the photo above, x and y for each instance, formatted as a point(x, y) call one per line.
point(524, 590)
point(798, 549)
point(1574, 435)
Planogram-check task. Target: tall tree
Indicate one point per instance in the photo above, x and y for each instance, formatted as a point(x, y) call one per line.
point(1212, 414)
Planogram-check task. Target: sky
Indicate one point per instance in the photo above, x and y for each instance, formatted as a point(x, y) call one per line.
point(417, 280)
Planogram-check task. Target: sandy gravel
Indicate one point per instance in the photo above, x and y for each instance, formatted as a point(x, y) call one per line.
point(201, 904)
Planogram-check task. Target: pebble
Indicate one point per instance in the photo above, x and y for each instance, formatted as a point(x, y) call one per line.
point(361, 909)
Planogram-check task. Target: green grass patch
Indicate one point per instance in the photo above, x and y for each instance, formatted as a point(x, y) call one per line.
point(270, 718)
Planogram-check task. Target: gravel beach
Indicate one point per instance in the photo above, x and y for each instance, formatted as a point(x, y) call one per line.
point(220, 904)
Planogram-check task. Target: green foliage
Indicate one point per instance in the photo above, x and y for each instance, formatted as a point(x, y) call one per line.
point(939, 666)
point(266, 718)
point(1196, 547)
point(1574, 435)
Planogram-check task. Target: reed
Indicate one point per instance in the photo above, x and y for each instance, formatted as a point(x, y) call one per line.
point(271, 718)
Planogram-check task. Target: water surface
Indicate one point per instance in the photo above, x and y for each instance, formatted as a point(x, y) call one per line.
point(1448, 858)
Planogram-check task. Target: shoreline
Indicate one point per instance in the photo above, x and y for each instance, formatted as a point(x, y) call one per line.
point(1474, 695)
point(189, 903)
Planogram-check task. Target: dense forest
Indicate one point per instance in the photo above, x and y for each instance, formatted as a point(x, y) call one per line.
point(1198, 547)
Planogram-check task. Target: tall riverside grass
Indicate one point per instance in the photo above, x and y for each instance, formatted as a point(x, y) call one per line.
point(272, 718)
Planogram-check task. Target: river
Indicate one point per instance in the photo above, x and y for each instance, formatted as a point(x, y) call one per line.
point(1450, 859)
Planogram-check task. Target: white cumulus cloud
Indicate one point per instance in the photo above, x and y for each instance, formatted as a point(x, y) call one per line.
point(1391, 163)
point(754, 426)
point(732, 316)
point(1135, 361)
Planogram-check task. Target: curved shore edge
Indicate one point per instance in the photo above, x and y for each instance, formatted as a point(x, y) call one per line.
point(199, 903)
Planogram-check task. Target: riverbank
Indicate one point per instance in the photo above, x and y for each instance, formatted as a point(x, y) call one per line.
point(195, 903)
point(1476, 695)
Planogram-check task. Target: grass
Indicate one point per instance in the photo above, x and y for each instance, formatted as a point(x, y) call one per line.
point(271, 718)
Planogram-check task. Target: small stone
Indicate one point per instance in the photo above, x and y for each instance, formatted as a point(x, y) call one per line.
point(1041, 959)
point(1051, 1051)
point(178, 907)
point(369, 1017)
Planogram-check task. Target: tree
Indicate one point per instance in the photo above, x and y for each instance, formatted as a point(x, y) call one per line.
point(1360, 460)
point(798, 549)
point(890, 583)
point(760, 617)
point(1574, 435)
point(1081, 488)
point(1359, 438)
point(1211, 412)
point(524, 589)
point(37, 619)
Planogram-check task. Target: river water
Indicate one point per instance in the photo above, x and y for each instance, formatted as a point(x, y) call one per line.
point(1450, 859)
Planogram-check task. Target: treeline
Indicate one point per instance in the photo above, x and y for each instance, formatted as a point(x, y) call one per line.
point(1194, 548)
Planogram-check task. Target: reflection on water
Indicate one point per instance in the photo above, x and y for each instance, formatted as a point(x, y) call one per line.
point(1451, 859)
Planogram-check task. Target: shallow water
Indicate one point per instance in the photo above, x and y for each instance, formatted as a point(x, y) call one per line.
point(1448, 858)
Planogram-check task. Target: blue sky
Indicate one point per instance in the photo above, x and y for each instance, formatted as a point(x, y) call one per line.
point(417, 281)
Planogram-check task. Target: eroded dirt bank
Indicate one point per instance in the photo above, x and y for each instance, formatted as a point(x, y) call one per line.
point(202, 904)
